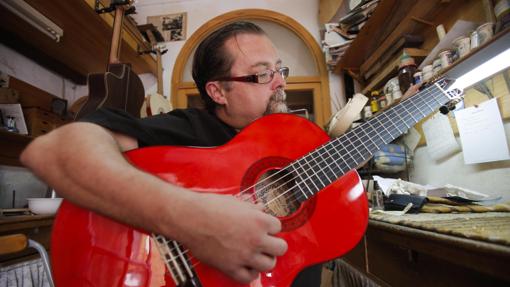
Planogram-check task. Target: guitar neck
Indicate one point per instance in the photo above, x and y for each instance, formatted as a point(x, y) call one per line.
point(327, 163)
point(160, 71)
point(114, 57)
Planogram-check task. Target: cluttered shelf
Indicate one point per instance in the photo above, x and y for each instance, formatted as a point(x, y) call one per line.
point(82, 47)
point(32, 112)
point(370, 54)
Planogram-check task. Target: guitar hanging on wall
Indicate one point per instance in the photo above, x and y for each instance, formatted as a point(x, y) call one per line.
point(155, 103)
point(279, 159)
point(119, 87)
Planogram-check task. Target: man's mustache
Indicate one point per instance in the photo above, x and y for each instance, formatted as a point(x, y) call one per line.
point(277, 103)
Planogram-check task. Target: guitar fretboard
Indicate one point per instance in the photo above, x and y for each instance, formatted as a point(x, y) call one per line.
point(327, 163)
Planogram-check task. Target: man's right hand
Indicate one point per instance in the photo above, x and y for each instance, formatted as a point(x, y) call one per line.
point(233, 236)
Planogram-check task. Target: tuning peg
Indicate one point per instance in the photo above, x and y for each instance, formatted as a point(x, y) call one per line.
point(450, 106)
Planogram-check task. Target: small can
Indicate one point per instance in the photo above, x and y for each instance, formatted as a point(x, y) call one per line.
point(418, 77)
point(485, 32)
point(397, 94)
point(367, 112)
point(427, 73)
point(446, 58)
point(462, 44)
point(436, 67)
point(475, 39)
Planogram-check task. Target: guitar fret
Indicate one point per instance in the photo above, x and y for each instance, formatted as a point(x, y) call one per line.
point(311, 175)
point(294, 171)
point(184, 261)
point(169, 261)
point(333, 160)
point(393, 122)
point(373, 129)
point(328, 166)
point(384, 127)
point(361, 143)
point(337, 141)
point(368, 137)
point(320, 167)
point(417, 109)
point(304, 181)
point(319, 172)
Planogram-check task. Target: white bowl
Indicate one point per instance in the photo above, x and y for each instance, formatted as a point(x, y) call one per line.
point(44, 206)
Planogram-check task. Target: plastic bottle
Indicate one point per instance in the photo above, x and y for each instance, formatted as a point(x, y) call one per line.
point(406, 70)
point(374, 104)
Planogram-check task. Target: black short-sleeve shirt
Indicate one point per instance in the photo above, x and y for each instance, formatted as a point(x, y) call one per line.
point(183, 127)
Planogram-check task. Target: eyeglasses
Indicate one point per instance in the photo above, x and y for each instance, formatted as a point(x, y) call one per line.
point(259, 78)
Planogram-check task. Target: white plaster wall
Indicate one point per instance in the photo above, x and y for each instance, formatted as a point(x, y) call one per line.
point(492, 178)
point(200, 11)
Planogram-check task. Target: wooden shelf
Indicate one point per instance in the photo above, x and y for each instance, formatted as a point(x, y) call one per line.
point(391, 68)
point(371, 34)
point(393, 19)
point(11, 146)
point(85, 45)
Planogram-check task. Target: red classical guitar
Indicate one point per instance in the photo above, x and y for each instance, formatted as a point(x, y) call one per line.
point(119, 87)
point(283, 161)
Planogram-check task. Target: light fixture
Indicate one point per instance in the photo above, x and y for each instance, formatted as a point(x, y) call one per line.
point(34, 18)
point(483, 64)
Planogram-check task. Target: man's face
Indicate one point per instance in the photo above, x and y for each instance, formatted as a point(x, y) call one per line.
point(242, 102)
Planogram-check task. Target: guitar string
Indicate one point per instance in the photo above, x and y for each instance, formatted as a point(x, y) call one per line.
point(262, 191)
point(419, 95)
point(327, 145)
point(330, 156)
point(191, 257)
point(426, 103)
point(310, 177)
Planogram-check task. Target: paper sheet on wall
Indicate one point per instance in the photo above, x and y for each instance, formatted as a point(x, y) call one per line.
point(412, 139)
point(441, 142)
point(482, 133)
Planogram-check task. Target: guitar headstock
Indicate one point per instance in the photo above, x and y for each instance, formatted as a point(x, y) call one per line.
point(455, 95)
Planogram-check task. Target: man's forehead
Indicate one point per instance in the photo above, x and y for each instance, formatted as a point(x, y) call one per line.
point(254, 50)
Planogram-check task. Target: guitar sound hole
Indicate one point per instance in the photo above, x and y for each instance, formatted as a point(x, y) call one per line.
point(277, 190)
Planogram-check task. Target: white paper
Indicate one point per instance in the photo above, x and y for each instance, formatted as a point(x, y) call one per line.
point(384, 183)
point(482, 134)
point(412, 138)
point(441, 142)
point(14, 110)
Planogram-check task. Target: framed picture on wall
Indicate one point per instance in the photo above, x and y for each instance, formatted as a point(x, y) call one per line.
point(171, 26)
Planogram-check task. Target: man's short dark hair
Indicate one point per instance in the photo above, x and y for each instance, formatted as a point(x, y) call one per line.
point(211, 59)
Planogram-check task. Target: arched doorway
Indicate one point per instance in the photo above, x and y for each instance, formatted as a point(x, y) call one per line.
point(317, 85)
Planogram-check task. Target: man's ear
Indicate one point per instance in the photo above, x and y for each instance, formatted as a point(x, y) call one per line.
point(215, 91)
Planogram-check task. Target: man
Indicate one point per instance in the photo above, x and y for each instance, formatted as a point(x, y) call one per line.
point(240, 78)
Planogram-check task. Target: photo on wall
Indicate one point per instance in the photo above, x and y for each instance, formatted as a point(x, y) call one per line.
point(171, 26)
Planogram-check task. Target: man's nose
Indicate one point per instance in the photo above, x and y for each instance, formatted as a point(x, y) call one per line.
point(278, 81)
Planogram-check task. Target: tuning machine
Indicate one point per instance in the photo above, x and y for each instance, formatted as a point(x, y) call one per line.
point(456, 97)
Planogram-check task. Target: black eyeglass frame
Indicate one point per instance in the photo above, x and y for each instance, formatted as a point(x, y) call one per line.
point(283, 71)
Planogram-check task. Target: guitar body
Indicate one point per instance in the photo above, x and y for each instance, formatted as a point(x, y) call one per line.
point(118, 88)
point(91, 250)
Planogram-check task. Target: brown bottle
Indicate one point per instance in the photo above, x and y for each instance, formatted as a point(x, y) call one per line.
point(406, 70)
